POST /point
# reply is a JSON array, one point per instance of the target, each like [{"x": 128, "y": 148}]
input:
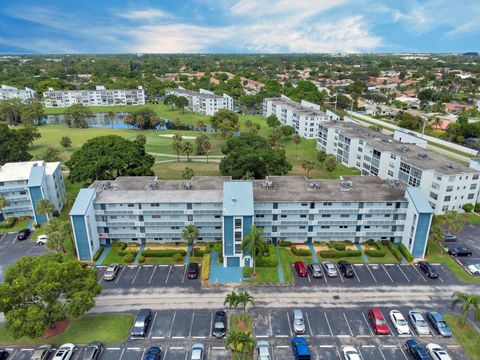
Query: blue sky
[{"x": 238, "y": 26}]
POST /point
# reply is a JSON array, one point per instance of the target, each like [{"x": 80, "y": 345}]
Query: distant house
[
  {"x": 453, "y": 108},
  {"x": 203, "y": 101},
  {"x": 11, "y": 92}
]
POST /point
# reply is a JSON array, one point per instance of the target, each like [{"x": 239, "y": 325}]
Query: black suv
[
  {"x": 219, "y": 324},
  {"x": 428, "y": 269},
  {"x": 142, "y": 321},
  {"x": 3, "y": 354},
  {"x": 346, "y": 269},
  {"x": 23, "y": 234},
  {"x": 459, "y": 251},
  {"x": 193, "y": 270}
]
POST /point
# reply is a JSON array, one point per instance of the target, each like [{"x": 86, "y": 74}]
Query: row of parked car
[{"x": 64, "y": 352}]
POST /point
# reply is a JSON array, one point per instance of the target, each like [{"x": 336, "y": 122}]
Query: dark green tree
[
  {"x": 107, "y": 157},
  {"x": 226, "y": 122},
  {"x": 144, "y": 118},
  {"x": 50, "y": 155},
  {"x": 14, "y": 145},
  {"x": 170, "y": 100},
  {"x": 76, "y": 116},
  {"x": 32, "y": 113},
  {"x": 272, "y": 121},
  {"x": 181, "y": 102},
  {"x": 66, "y": 142}
]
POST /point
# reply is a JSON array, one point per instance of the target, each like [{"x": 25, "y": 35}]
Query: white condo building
[
  {"x": 304, "y": 117},
  {"x": 98, "y": 97},
  {"x": 11, "y": 92},
  {"x": 203, "y": 101},
  {"x": 447, "y": 184}
]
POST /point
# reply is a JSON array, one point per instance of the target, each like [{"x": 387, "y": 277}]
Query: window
[
  {"x": 344, "y": 215},
  {"x": 274, "y": 229},
  {"x": 433, "y": 196},
  {"x": 189, "y": 217},
  {"x": 393, "y": 156},
  {"x": 343, "y": 226},
  {"x": 189, "y": 206},
  {"x": 131, "y": 205},
  {"x": 474, "y": 177},
  {"x": 283, "y": 216},
  {"x": 155, "y": 205},
  {"x": 304, "y": 204},
  {"x": 275, "y": 205},
  {"x": 473, "y": 186},
  {"x": 238, "y": 223},
  {"x": 303, "y": 216},
  {"x": 447, "y": 198},
  {"x": 23, "y": 192},
  {"x": 325, "y": 227},
  {"x": 390, "y": 173},
  {"x": 449, "y": 188},
  {"x": 470, "y": 196},
  {"x": 326, "y": 215},
  {"x": 156, "y": 216},
  {"x": 217, "y": 216}
]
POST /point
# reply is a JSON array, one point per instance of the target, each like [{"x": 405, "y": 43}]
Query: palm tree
[
  {"x": 188, "y": 149},
  {"x": 57, "y": 231},
  {"x": 296, "y": 140},
  {"x": 200, "y": 125},
  {"x": 231, "y": 300},
  {"x": 110, "y": 116},
  {"x": 3, "y": 203},
  {"x": 206, "y": 146},
  {"x": 56, "y": 242},
  {"x": 190, "y": 233},
  {"x": 307, "y": 165},
  {"x": 68, "y": 200},
  {"x": 45, "y": 207},
  {"x": 177, "y": 145},
  {"x": 437, "y": 122},
  {"x": 467, "y": 302},
  {"x": 240, "y": 342},
  {"x": 244, "y": 299},
  {"x": 254, "y": 242}
]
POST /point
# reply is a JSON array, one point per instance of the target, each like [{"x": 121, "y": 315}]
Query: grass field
[
  {"x": 105, "y": 328},
  {"x": 19, "y": 225},
  {"x": 263, "y": 275},
  {"x": 468, "y": 336}
]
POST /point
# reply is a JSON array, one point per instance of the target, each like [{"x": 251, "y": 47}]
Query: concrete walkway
[
  {"x": 365, "y": 257},
  {"x": 187, "y": 257},
  {"x": 139, "y": 253},
  {"x": 223, "y": 275},
  {"x": 281, "y": 276},
  {"x": 103, "y": 256},
  {"x": 314, "y": 254}
]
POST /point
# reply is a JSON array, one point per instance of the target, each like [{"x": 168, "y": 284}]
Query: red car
[
  {"x": 378, "y": 321},
  {"x": 300, "y": 268}
]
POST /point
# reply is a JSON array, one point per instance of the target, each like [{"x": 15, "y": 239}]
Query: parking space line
[
  {"x": 316, "y": 353},
  {"x": 138, "y": 270},
  {"x": 381, "y": 353},
  {"x": 13, "y": 353},
  {"x": 338, "y": 354},
  {"x": 419, "y": 273},
  {"x": 328, "y": 324},
  {"x": 153, "y": 323},
  {"x": 383, "y": 267},
  {"x": 370, "y": 271},
  {"x": 121, "y": 355},
  {"x": 270, "y": 323},
  {"x": 120, "y": 274},
  {"x": 308, "y": 322},
  {"x": 339, "y": 272},
  {"x": 403, "y": 352},
  {"x": 289, "y": 325},
  {"x": 211, "y": 324},
  {"x": 348, "y": 324},
  {"x": 184, "y": 273},
  {"x": 368, "y": 324},
  {"x": 400, "y": 268},
  {"x": 356, "y": 275},
  {"x": 143, "y": 354},
  {"x": 191, "y": 325},
  {"x": 171, "y": 326},
  {"x": 168, "y": 275},
  {"x": 153, "y": 273},
  {"x": 308, "y": 276},
  {"x": 165, "y": 353}
]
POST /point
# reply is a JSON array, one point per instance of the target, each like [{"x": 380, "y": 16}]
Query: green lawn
[
  {"x": 19, "y": 225},
  {"x": 105, "y": 328},
  {"x": 234, "y": 319},
  {"x": 174, "y": 170},
  {"x": 287, "y": 259},
  {"x": 468, "y": 337},
  {"x": 473, "y": 218},
  {"x": 263, "y": 275},
  {"x": 113, "y": 257}
]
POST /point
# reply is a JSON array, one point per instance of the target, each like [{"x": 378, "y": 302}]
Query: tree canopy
[
  {"x": 14, "y": 144},
  {"x": 144, "y": 118},
  {"x": 76, "y": 115},
  {"x": 107, "y": 157},
  {"x": 226, "y": 122}
]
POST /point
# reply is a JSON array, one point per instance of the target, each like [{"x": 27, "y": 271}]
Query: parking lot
[
  {"x": 148, "y": 276},
  {"x": 11, "y": 250},
  {"x": 381, "y": 274},
  {"x": 468, "y": 238}
]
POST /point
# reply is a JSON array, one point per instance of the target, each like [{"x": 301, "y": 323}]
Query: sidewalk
[
  {"x": 223, "y": 275},
  {"x": 281, "y": 276},
  {"x": 365, "y": 257},
  {"x": 314, "y": 254},
  {"x": 103, "y": 256},
  {"x": 142, "y": 247},
  {"x": 187, "y": 257}
]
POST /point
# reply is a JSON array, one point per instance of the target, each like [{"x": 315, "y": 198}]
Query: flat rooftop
[
  {"x": 146, "y": 189},
  {"x": 197, "y": 93},
  {"x": 298, "y": 108},
  {"x": 414, "y": 155},
  {"x": 17, "y": 171}
]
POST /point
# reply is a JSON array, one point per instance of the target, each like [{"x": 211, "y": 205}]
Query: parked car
[
  {"x": 438, "y": 323},
  {"x": 153, "y": 353},
  {"x": 399, "y": 322},
  {"x": 474, "y": 268},
  {"x": 330, "y": 269},
  {"x": 298, "y": 322},
  {"x": 459, "y": 251},
  {"x": 219, "y": 324},
  {"x": 416, "y": 350},
  {"x": 418, "y": 322},
  {"x": 378, "y": 321},
  {"x": 437, "y": 353},
  {"x": 346, "y": 269},
  {"x": 193, "y": 270},
  {"x": 263, "y": 350},
  {"x": 64, "y": 352},
  {"x": 300, "y": 348},
  {"x": 94, "y": 349},
  {"x": 198, "y": 352},
  {"x": 111, "y": 272},
  {"x": 350, "y": 353},
  {"x": 428, "y": 269},
  {"x": 42, "y": 239},
  {"x": 41, "y": 353},
  {"x": 449, "y": 237},
  {"x": 23, "y": 234},
  {"x": 3, "y": 354},
  {"x": 300, "y": 268},
  {"x": 142, "y": 321},
  {"x": 315, "y": 270}
]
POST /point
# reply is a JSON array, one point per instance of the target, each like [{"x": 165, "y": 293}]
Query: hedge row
[
  {"x": 406, "y": 254},
  {"x": 127, "y": 252},
  {"x": 197, "y": 252},
  {"x": 8, "y": 223},
  {"x": 120, "y": 245},
  {"x": 300, "y": 252},
  {"x": 98, "y": 253},
  {"x": 163, "y": 253},
  {"x": 267, "y": 261},
  {"x": 393, "y": 249},
  {"x": 206, "y": 267},
  {"x": 128, "y": 258},
  {"x": 284, "y": 243},
  {"x": 375, "y": 253},
  {"x": 339, "y": 254}
]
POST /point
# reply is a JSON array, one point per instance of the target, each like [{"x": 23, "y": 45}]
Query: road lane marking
[
  {"x": 168, "y": 275},
  {"x": 348, "y": 324},
  {"x": 383, "y": 267},
  {"x": 370, "y": 271},
  {"x": 133, "y": 280},
  {"x": 120, "y": 274},
  {"x": 153, "y": 273},
  {"x": 400, "y": 268}
]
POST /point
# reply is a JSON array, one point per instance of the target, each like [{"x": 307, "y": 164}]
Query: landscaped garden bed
[{"x": 121, "y": 253}]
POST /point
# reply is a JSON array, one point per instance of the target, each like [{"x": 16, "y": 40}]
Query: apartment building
[
  {"x": 24, "y": 184},
  {"x": 144, "y": 209},
  {"x": 447, "y": 184},
  {"x": 304, "y": 117},
  {"x": 11, "y": 92},
  {"x": 203, "y": 101},
  {"x": 98, "y": 97}
]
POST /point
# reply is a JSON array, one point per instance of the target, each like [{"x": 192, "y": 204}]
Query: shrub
[
  {"x": 8, "y": 223},
  {"x": 393, "y": 249},
  {"x": 128, "y": 258},
  {"x": 163, "y": 253},
  {"x": 284, "y": 243},
  {"x": 468, "y": 207},
  {"x": 477, "y": 207},
  {"x": 269, "y": 260},
  {"x": 375, "y": 253},
  {"x": 339, "y": 254},
  {"x": 98, "y": 253},
  {"x": 198, "y": 252},
  {"x": 339, "y": 246},
  {"x": 206, "y": 267},
  {"x": 127, "y": 252},
  {"x": 177, "y": 257},
  {"x": 406, "y": 254},
  {"x": 141, "y": 259},
  {"x": 300, "y": 252},
  {"x": 120, "y": 245}
]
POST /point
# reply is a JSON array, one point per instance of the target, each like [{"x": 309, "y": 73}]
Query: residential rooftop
[
  {"x": 275, "y": 188},
  {"x": 18, "y": 171},
  {"x": 299, "y": 109},
  {"x": 414, "y": 155},
  {"x": 196, "y": 93}
]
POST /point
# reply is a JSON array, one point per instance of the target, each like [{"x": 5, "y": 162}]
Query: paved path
[
  {"x": 365, "y": 257},
  {"x": 314, "y": 254},
  {"x": 139, "y": 253},
  {"x": 103, "y": 256},
  {"x": 281, "y": 276},
  {"x": 187, "y": 257}
]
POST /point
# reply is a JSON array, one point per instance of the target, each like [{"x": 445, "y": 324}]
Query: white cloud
[{"x": 145, "y": 14}]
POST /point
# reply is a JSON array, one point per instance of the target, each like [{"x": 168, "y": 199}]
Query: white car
[
  {"x": 437, "y": 353},
  {"x": 350, "y": 353},
  {"x": 474, "y": 268},
  {"x": 42, "y": 239},
  {"x": 418, "y": 322},
  {"x": 198, "y": 351},
  {"x": 263, "y": 350},
  {"x": 65, "y": 352},
  {"x": 399, "y": 322}
]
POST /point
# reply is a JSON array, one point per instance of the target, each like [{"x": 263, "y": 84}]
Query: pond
[{"x": 101, "y": 120}]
